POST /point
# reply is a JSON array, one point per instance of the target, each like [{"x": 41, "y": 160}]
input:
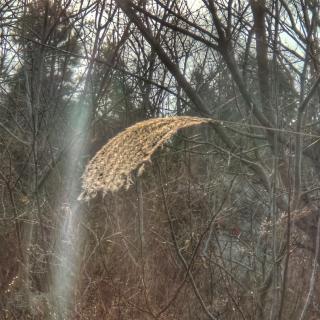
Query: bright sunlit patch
[{"x": 69, "y": 236}]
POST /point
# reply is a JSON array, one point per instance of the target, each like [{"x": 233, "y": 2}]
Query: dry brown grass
[{"x": 113, "y": 166}]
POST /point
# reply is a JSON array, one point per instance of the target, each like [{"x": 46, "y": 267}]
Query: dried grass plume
[{"x": 113, "y": 166}]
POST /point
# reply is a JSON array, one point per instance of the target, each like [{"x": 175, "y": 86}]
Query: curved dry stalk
[{"x": 112, "y": 167}]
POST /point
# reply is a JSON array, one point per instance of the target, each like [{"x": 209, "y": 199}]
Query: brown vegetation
[{"x": 224, "y": 221}]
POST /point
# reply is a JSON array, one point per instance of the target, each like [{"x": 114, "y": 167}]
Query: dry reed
[{"x": 113, "y": 166}]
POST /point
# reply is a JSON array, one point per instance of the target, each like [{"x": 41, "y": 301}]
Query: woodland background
[{"x": 242, "y": 237}]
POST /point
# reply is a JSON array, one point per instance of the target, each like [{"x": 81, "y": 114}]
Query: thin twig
[
  {"x": 313, "y": 275},
  {"x": 182, "y": 259}
]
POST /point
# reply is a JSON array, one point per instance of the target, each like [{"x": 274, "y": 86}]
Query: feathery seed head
[{"x": 112, "y": 167}]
